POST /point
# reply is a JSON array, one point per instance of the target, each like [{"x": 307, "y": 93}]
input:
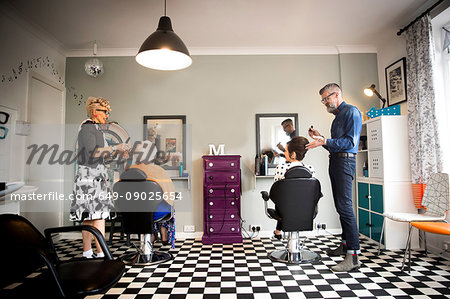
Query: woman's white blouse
[{"x": 283, "y": 167}]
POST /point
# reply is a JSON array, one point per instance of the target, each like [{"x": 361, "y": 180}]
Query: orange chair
[
  {"x": 436, "y": 200},
  {"x": 442, "y": 228}
]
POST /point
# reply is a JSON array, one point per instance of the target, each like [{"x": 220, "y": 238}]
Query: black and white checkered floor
[{"x": 244, "y": 271}]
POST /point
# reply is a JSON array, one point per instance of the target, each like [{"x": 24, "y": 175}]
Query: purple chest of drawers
[{"x": 221, "y": 199}]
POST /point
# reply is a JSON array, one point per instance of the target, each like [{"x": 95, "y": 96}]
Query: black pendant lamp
[{"x": 163, "y": 49}]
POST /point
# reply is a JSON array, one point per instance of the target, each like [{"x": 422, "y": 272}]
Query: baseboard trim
[
  {"x": 184, "y": 236},
  {"x": 313, "y": 233}
]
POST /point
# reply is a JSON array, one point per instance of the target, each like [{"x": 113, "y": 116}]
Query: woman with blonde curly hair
[{"x": 92, "y": 198}]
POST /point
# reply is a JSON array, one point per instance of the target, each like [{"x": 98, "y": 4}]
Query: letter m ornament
[{"x": 219, "y": 151}]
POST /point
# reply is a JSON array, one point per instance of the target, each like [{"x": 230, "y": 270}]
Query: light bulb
[
  {"x": 164, "y": 59},
  {"x": 368, "y": 92}
]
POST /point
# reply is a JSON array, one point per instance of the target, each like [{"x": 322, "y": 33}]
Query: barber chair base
[
  {"x": 302, "y": 257},
  {"x": 136, "y": 258}
]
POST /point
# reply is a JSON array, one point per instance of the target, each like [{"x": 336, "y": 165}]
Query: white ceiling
[{"x": 219, "y": 24}]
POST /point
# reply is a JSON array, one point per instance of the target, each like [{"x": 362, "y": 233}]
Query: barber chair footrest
[
  {"x": 302, "y": 257},
  {"x": 136, "y": 258}
]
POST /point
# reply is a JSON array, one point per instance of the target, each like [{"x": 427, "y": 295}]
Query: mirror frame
[
  {"x": 183, "y": 133},
  {"x": 265, "y": 115}
]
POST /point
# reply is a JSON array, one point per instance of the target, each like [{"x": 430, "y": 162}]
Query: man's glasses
[{"x": 326, "y": 98}]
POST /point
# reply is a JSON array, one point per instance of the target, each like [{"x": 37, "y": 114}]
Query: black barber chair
[
  {"x": 137, "y": 202},
  {"x": 296, "y": 199},
  {"x": 25, "y": 250}
]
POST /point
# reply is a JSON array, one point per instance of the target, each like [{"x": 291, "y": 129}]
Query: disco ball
[{"x": 94, "y": 67}]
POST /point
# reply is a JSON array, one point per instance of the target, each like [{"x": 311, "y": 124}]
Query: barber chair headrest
[
  {"x": 298, "y": 172},
  {"x": 133, "y": 174}
]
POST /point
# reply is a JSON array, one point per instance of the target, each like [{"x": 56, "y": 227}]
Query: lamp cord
[{"x": 165, "y": 4}]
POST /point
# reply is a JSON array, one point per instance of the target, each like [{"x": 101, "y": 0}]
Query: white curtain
[{"x": 424, "y": 141}]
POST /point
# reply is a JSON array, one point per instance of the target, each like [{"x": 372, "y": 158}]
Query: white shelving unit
[{"x": 387, "y": 186}]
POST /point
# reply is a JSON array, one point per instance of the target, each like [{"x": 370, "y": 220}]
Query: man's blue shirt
[{"x": 345, "y": 130}]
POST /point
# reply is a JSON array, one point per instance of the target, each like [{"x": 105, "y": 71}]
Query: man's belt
[{"x": 342, "y": 155}]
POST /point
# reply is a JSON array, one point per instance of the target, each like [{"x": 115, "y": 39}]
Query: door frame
[{"x": 60, "y": 87}]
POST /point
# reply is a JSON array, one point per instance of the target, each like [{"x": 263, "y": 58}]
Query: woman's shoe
[{"x": 275, "y": 236}]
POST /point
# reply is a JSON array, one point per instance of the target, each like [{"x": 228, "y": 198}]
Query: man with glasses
[
  {"x": 342, "y": 146},
  {"x": 288, "y": 128}
]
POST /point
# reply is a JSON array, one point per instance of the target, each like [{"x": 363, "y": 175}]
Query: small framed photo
[
  {"x": 171, "y": 145},
  {"x": 396, "y": 82}
]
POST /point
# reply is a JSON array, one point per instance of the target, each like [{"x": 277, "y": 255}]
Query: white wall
[
  {"x": 390, "y": 48},
  {"x": 20, "y": 43},
  {"x": 220, "y": 96}
]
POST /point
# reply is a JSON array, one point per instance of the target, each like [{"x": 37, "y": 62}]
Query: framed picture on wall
[{"x": 396, "y": 82}]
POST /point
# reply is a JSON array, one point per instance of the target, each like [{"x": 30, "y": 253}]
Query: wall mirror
[
  {"x": 269, "y": 132},
  {"x": 165, "y": 140}
]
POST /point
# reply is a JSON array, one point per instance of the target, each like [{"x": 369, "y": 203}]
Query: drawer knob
[
  {"x": 232, "y": 177},
  {"x": 232, "y": 216},
  {"x": 232, "y": 203},
  {"x": 232, "y": 229},
  {"x": 232, "y": 164},
  {"x": 211, "y": 230},
  {"x": 211, "y": 164},
  {"x": 211, "y": 177},
  {"x": 210, "y": 216},
  {"x": 232, "y": 190},
  {"x": 211, "y": 190},
  {"x": 211, "y": 203}
]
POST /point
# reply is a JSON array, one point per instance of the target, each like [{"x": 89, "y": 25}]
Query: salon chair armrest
[
  {"x": 65, "y": 229},
  {"x": 271, "y": 213}
]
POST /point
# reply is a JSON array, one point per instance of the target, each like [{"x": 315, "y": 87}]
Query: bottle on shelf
[
  {"x": 266, "y": 165},
  {"x": 363, "y": 143},
  {"x": 180, "y": 165},
  {"x": 257, "y": 165},
  {"x": 365, "y": 169}
]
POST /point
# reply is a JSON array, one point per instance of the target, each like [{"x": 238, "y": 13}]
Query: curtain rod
[{"x": 416, "y": 19}]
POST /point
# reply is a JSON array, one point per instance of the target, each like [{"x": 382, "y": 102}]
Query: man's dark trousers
[{"x": 341, "y": 171}]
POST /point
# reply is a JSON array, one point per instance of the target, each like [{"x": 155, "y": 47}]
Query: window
[{"x": 442, "y": 83}]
